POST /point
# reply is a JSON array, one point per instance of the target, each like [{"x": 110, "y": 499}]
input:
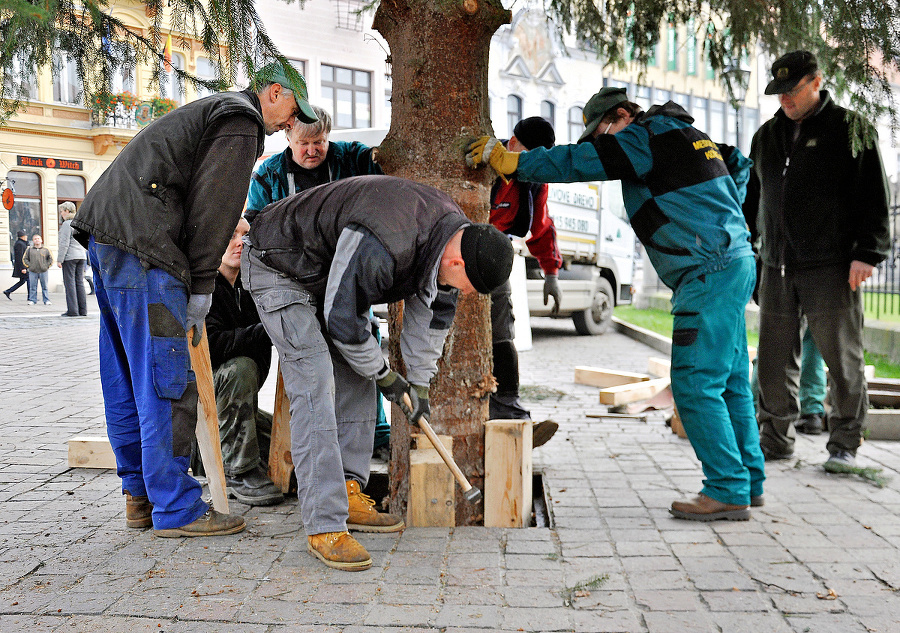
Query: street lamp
[{"x": 736, "y": 81}]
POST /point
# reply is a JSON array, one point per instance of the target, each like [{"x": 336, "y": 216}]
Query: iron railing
[{"x": 881, "y": 292}]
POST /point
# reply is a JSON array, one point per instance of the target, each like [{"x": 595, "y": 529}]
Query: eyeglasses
[{"x": 798, "y": 88}]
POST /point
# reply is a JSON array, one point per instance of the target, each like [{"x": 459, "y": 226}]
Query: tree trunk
[{"x": 439, "y": 55}]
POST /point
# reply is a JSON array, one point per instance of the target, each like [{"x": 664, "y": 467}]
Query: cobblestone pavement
[{"x": 821, "y": 556}]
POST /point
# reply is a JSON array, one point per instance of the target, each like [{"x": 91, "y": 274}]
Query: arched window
[
  {"x": 548, "y": 111},
  {"x": 513, "y": 112},
  {"x": 66, "y": 84},
  {"x": 205, "y": 70},
  {"x": 575, "y": 123},
  {"x": 168, "y": 80}
]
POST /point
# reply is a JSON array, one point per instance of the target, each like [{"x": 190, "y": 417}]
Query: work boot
[
  {"x": 363, "y": 515},
  {"x": 771, "y": 455},
  {"x": 210, "y": 524},
  {"x": 757, "y": 501},
  {"x": 703, "y": 508},
  {"x": 339, "y": 550},
  {"x": 810, "y": 424},
  {"x": 138, "y": 511},
  {"x": 541, "y": 432},
  {"x": 254, "y": 488}
]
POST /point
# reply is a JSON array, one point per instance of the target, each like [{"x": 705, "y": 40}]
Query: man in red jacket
[{"x": 517, "y": 208}]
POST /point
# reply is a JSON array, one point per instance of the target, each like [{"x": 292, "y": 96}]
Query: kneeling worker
[
  {"x": 316, "y": 263},
  {"x": 240, "y": 352}
]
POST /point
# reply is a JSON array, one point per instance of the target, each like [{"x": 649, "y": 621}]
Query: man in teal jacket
[{"x": 683, "y": 195}]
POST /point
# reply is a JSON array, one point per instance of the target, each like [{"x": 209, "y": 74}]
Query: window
[
  {"x": 388, "y": 92},
  {"x": 699, "y": 111},
  {"x": 205, "y": 70},
  {"x": 122, "y": 79},
  {"x": 22, "y": 78},
  {"x": 661, "y": 96},
  {"x": 349, "y": 93},
  {"x": 70, "y": 188},
  {"x": 730, "y": 123},
  {"x": 682, "y": 99},
  {"x": 575, "y": 123},
  {"x": 642, "y": 97},
  {"x": 26, "y": 211},
  {"x": 548, "y": 111},
  {"x": 672, "y": 45},
  {"x": 66, "y": 84},
  {"x": 513, "y": 112},
  {"x": 169, "y": 84},
  {"x": 716, "y": 121}
]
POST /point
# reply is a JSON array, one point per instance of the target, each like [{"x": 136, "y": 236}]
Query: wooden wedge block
[
  {"x": 91, "y": 451},
  {"x": 657, "y": 366},
  {"x": 677, "y": 426},
  {"x": 624, "y": 394},
  {"x": 882, "y": 424},
  {"x": 281, "y": 464},
  {"x": 602, "y": 378},
  {"x": 507, "y": 473},
  {"x": 432, "y": 491},
  {"x": 869, "y": 372}
]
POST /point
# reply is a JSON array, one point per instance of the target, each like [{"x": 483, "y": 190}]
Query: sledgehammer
[{"x": 471, "y": 494}]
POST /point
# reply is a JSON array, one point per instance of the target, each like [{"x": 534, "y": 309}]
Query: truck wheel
[{"x": 596, "y": 319}]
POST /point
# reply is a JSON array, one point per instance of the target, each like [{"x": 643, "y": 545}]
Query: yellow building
[{"x": 55, "y": 149}]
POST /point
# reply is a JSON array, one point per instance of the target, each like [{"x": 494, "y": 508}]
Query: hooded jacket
[
  {"x": 270, "y": 181},
  {"x": 362, "y": 241},
  {"x": 811, "y": 201},
  {"x": 175, "y": 193},
  {"x": 682, "y": 192}
]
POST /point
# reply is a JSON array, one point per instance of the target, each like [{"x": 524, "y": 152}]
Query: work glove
[
  {"x": 487, "y": 149},
  {"x": 551, "y": 289},
  {"x": 197, "y": 308},
  {"x": 419, "y": 397}
]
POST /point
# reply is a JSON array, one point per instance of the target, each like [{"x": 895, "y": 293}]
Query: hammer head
[{"x": 472, "y": 495}]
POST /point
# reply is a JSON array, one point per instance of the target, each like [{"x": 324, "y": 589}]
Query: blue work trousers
[
  {"x": 149, "y": 389},
  {"x": 711, "y": 381}
]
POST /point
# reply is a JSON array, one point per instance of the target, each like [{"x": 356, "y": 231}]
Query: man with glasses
[{"x": 821, "y": 211}]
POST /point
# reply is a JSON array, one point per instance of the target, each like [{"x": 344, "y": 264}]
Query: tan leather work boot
[
  {"x": 138, "y": 511},
  {"x": 703, "y": 508},
  {"x": 363, "y": 515},
  {"x": 210, "y": 524},
  {"x": 339, "y": 550}
]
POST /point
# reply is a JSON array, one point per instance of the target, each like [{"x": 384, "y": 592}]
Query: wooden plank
[
  {"x": 623, "y": 394},
  {"x": 281, "y": 464},
  {"x": 432, "y": 490},
  {"x": 91, "y": 451},
  {"x": 883, "y": 398},
  {"x": 602, "y": 378},
  {"x": 884, "y": 384},
  {"x": 507, "y": 473},
  {"x": 657, "y": 366},
  {"x": 208, "y": 422}
]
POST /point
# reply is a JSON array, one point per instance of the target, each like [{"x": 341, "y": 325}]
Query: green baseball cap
[
  {"x": 274, "y": 73},
  {"x": 597, "y": 106}
]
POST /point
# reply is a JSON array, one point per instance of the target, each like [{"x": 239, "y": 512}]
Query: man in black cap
[
  {"x": 517, "y": 208},
  {"x": 19, "y": 270},
  {"x": 821, "y": 212},
  {"x": 315, "y": 263}
]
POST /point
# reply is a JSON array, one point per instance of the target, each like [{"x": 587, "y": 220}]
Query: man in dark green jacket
[{"x": 821, "y": 211}]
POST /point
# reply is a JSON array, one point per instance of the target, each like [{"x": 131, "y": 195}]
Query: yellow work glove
[{"x": 487, "y": 149}]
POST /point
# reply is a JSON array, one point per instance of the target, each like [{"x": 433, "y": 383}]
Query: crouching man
[{"x": 316, "y": 263}]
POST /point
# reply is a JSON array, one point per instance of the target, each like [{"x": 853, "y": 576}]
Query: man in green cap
[
  {"x": 156, "y": 224},
  {"x": 683, "y": 195}
]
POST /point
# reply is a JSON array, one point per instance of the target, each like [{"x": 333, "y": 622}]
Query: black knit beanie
[
  {"x": 488, "y": 255},
  {"x": 534, "y": 132}
]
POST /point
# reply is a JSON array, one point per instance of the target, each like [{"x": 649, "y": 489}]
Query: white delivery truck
[{"x": 598, "y": 249}]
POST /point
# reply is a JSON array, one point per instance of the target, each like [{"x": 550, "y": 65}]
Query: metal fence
[{"x": 881, "y": 293}]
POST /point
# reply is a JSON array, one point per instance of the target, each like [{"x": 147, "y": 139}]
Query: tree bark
[{"x": 439, "y": 63}]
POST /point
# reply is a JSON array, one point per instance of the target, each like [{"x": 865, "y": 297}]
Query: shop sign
[{"x": 49, "y": 163}]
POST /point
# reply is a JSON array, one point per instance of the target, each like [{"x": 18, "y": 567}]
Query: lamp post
[{"x": 736, "y": 81}]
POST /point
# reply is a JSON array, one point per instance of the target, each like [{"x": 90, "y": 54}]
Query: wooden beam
[
  {"x": 91, "y": 451},
  {"x": 657, "y": 366},
  {"x": 884, "y": 384},
  {"x": 432, "y": 491},
  {"x": 281, "y": 464},
  {"x": 602, "y": 378},
  {"x": 507, "y": 473},
  {"x": 623, "y": 394}
]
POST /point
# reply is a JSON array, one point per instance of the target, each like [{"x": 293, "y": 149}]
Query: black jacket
[
  {"x": 175, "y": 193},
  {"x": 234, "y": 329},
  {"x": 18, "y": 264},
  {"x": 812, "y": 202}
]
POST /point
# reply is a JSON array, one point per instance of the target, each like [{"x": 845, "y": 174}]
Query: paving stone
[{"x": 617, "y": 621}]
